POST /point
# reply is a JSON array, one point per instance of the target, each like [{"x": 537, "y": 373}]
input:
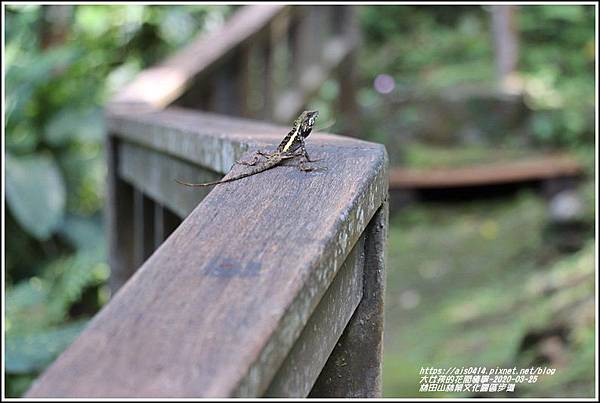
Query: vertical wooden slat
[
  {"x": 119, "y": 220},
  {"x": 245, "y": 79},
  {"x": 159, "y": 225},
  {"x": 279, "y": 62},
  {"x": 348, "y": 74},
  {"x": 267, "y": 70},
  {"x": 307, "y": 41},
  {"x": 298, "y": 45},
  {"x": 354, "y": 367},
  {"x": 171, "y": 221},
  {"x": 143, "y": 220},
  {"x": 165, "y": 222},
  {"x": 226, "y": 86}
]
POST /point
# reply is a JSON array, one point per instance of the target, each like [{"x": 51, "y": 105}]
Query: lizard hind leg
[
  {"x": 306, "y": 159},
  {"x": 251, "y": 162},
  {"x": 302, "y": 166}
]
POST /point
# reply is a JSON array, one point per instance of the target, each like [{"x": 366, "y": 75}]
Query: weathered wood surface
[
  {"x": 534, "y": 169},
  {"x": 154, "y": 172},
  {"x": 161, "y": 85},
  {"x": 298, "y": 373},
  {"x": 216, "y": 309},
  {"x": 353, "y": 369}
]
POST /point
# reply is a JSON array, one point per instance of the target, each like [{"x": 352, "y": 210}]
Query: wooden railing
[
  {"x": 267, "y": 286},
  {"x": 265, "y": 63}
]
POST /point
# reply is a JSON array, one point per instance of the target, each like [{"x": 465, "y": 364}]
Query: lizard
[{"x": 292, "y": 145}]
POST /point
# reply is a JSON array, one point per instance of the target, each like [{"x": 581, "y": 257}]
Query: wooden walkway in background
[{"x": 534, "y": 169}]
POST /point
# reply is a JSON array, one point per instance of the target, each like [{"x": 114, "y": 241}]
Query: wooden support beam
[
  {"x": 143, "y": 224},
  {"x": 355, "y": 365},
  {"x": 160, "y": 85},
  {"x": 219, "y": 306},
  {"x": 302, "y": 366},
  {"x": 119, "y": 220}
]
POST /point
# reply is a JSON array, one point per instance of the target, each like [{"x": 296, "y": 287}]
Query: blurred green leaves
[
  {"x": 33, "y": 352},
  {"x": 75, "y": 125},
  {"x": 558, "y": 70},
  {"x": 429, "y": 49},
  {"x": 35, "y": 193},
  {"x": 56, "y": 266}
]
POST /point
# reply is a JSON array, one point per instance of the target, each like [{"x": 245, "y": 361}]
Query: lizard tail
[
  {"x": 235, "y": 178},
  {"x": 197, "y": 184}
]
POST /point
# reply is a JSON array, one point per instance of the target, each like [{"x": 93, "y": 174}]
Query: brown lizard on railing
[{"x": 291, "y": 146}]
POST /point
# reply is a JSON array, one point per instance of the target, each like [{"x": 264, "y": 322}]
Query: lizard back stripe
[{"x": 292, "y": 139}]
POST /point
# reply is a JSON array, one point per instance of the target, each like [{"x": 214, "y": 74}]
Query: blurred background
[{"x": 487, "y": 114}]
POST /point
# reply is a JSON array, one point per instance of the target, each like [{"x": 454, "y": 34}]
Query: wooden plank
[
  {"x": 206, "y": 139},
  {"x": 267, "y": 87},
  {"x": 155, "y": 173},
  {"x": 354, "y": 368},
  {"x": 143, "y": 224},
  {"x": 533, "y": 169},
  {"x": 160, "y": 85},
  {"x": 119, "y": 220},
  {"x": 302, "y": 366},
  {"x": 217, "y": 308}
]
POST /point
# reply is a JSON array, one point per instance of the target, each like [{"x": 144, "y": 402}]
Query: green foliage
[
  {"x": 427, "y": 156},
  {"x": 467, "y": 282},
  {"x": 34, "y": 351},
  {"x": 428, "y": 49},
  {"x": 35, "y": 193},
  {"x": 558, "y": 68},
  {"x": 56, "y": 263}
]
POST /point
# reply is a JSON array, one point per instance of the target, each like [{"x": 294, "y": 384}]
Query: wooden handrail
[
  {"x": 267, "y": 286},
  {"x": 160, "y": 85},
  {"x": 216, "y": 68},
  {"x": 222, "y": 306}
]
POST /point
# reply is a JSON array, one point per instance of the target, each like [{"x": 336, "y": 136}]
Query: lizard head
[{"x": 307, "y": 121}]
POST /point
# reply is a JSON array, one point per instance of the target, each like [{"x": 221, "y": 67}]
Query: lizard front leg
[
  {"x": 304, "y": 153},
  {"x": 305, "y": 159},
  {"x": 254, "y": 160}
]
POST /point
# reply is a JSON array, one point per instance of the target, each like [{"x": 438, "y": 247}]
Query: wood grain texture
[
  {"x": 209, "y": 140},
  {"x": 216, "y": 309},
  {"x": 154, "y": 173},
  {"x": 355, "y": 366},
  {"x": 302, "y": 366}
]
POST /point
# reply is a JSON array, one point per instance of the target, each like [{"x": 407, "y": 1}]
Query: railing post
[
  {"x": 143, "y": 223},
  {"x": 354, "y": 367},
  {"x": 165, "y": 222},
  {"x": 119, "y": 220}
]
